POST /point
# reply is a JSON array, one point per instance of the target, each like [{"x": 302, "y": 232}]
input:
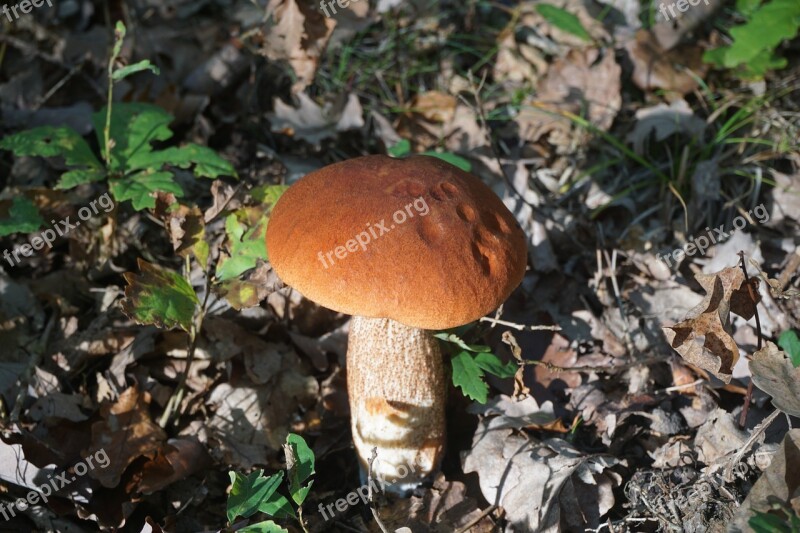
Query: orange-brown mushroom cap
[{"x": 419, "y": 241}]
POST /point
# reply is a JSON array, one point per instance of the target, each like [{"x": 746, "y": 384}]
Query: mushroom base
[{"x": 396, "y": 385}]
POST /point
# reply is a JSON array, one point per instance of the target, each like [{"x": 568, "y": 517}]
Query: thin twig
[
  {"x": 520, "y": 327},
  {"x": 194, "y": 335},
  {"x": 588, "y": 368},
  {"x": 757, "y": 431},
  {"x": 474, "y": 522},
  {"x": 748, "y": 397}
]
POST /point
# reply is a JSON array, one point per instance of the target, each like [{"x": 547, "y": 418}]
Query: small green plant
[
  {"x": 125, "y": 133},
  {"x": 166, "y": 299},
  {"x": 403, "y": 148},
  {"x": 471, "y": 362},
  {"x": 790, "y": 343},
  {"x": 781, "y": 519},
  {"x": 752, "y": 53},
  {"x": 254, "y": 492},
  {"x": 563, "y": 20}
]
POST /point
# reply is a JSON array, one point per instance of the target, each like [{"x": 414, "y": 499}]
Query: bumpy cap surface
[{"x": 416, "y": 240}]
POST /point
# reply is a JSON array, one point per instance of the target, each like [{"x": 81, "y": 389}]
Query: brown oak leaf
[{"x": 703, "y": 338}]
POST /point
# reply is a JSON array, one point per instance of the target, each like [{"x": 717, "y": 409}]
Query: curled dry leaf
[
  {"x": 774, "y": 374},
  {"x": 312, "y": 122},
  {"x": 780, "y": 481},
  {"x": 297, "y": 33},
  {"x": 175, "y": 460},
  {"x": 445, "y": 507},
  {"x": 545, "y": 486},
  {"x": 185, "y": 225},
  {"x": 125, "y": 433},
  {"x": 675, "y": 71},
  {"x": 703, "y": 339},
  {"x": 585, "y": 83}
]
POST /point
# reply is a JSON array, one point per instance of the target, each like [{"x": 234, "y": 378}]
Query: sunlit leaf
[
  {"x": 249, "y": 492},
  {"x": 160, "y": 297}
]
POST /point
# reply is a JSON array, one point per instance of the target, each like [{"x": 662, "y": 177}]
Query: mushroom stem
[{"x": 396, "y": 384}]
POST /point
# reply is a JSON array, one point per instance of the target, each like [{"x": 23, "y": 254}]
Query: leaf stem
[{"x": 194, "y": 334}]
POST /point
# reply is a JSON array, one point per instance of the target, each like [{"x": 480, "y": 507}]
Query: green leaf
[
  {"x": 277, "y": 506},
  {"x": 563, "y": 20},
  {"x": 268, "y": 194},
  {"x": 23, "y": 217},
  {"x": 140, "y": 188},
  {"x": 754, "y": 41},
  {"x": 263, "y": 527},
  {"x": 790, "y": 343},
  {"x": 48, "y": 141},
  {"x": 160, "y": 297},
  {"x": 208, "y": 164},
  {"x": 246, "y": 246},
  {"x": 124, "y": 72},
  {"x": 768, "y": 523},
  {"x": 469, "y": 377},
  {"x": 73, "y": 178},
  {"x": 453, "y": 159},
  {"x": 455, "y": 339},
  {"x": 403, "y": 147},
  {"x": 747, "y": 7},
  {"x": 248, "y": 492},
  {"x": 493, "y": 365},
  {"x": 300, "y": 465},
  {"x": 134, "y": 127}
]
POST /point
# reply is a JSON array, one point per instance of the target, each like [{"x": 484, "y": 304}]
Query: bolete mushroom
[{"x": 405, "y": 246}]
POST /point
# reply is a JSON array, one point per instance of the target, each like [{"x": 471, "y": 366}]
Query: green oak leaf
[
  {"x": 468, "y": 376},
  {"x": 263, "y": 527},
  {"x": 134, "y": 127},
  {"x": 48, "y": 141},
  {"x": 246, "y": 246},
  {"x": 268, "y": 194},
  {"x": 23, "y": 217},
  {"x": 139, "y": 188},
  {"x": 207, "y": 163},
  {"x": 493, "y": 365},
  {"x": 249, "y": 492},
  {"x": 455, "y": 339},
  {"x": 300, "y": 465}
]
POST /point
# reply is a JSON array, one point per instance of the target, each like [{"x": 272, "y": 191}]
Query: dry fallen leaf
[
  {"x": 774, "y": 374},
  {"x": 545, "y": 486},
  {"x": 296, "y": 32},
  {"x": 585, "y": 83},
  {"x": 780, "y": 481},
  {"x": 676, "y": 71},
  {"x": 125, "y": 433},
  {"x": 703, "y": 339},
  {"x": 312, "y": 122}
]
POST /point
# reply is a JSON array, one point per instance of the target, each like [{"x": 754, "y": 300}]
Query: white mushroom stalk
[{"x": 397, "y": 386}]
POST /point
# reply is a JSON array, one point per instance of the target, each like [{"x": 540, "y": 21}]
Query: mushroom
[{"x": 405, "y": 246}]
